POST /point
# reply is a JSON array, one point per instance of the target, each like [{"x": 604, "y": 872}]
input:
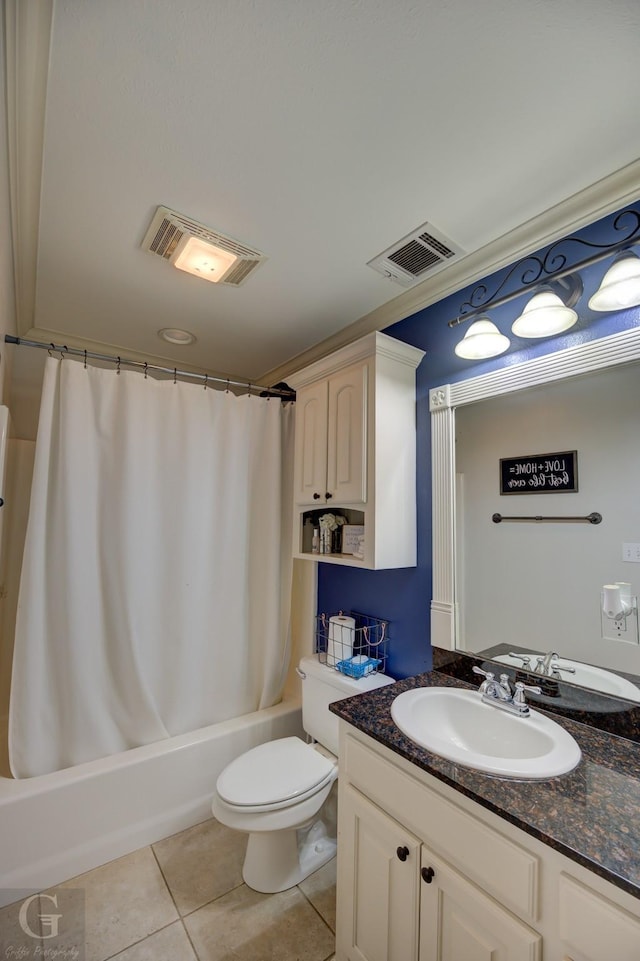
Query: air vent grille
[
  {"x": 423, "y": 251},
  {"x": 168, "y": 228},
  {"x": 414, "y": 258},
  {"x": 166, "y": 239},
  {"x": 437, "y": 245}
]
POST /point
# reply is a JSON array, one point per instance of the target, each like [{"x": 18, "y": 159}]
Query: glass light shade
[
  {"x": 204, "y": 260},
  {"x": 482, "y": 340},
  {"x": 544, "y": 315},
  {"x": 620, "y": 286}
]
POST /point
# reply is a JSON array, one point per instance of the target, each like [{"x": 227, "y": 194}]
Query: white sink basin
[
  {"x": 586, "y": 675},
  {"x": 457, "y": 725}
]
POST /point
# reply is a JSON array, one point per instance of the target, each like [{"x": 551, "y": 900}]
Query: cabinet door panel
[
  {"x": 458, "y": 921},
  {"x": 311, "y": 444},
  {"x": 593, "y": 927},
  {"x": 384, "y": 923},
  {"x": 347, "y": 436}
]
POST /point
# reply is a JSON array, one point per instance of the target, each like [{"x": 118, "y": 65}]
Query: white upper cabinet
[
  {"x": 311, "y": 444},
  {"x": 355, "y": 450},
  {"x": 331, "y": 439}
]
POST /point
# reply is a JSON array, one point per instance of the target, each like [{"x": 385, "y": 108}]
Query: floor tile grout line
[
  {"x": 193, "y": 947},
  {"x": 181, "y": 917},
  {"x": 205, "y": 903},
  {"x": 113, "y": 957},
  {"x": 320, "y": 915},
  {"x": 213, "y": 900},
  {"x": 166, "y": 883}
]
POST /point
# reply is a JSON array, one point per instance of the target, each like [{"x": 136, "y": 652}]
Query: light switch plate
[{"x": 631, "y": 552}]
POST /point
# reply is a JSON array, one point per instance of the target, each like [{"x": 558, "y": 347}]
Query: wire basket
[{"x": 353, "y": 643}]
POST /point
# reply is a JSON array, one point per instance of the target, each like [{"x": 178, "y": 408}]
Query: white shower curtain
[{"x": 155, "y": 590}]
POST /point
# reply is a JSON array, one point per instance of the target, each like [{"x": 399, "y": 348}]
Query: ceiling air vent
[
  {"x": 170, "y": 233},
  {"x": 423, "y": 252}
]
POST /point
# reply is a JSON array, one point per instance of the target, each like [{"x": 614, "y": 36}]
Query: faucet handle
[
  {"x": 556, "y": 669},
  {"x": 526, "y": 660},
  {"x": 489, "y": 678},
  {"x": 519, "y": 698},
  {"x": 478, "y": 670}
]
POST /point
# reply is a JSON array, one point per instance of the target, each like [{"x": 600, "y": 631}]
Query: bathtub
[{"x": 58, "y": 825}]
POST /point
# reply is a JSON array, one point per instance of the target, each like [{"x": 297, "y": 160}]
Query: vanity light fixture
[
  {"x": 553, "y": 279},
  {"x": 550, "y": 311},
  {"x": 482, "y": 340},
  {"x": 544, "y": 315},
  {"x": 620, "y": 286}
]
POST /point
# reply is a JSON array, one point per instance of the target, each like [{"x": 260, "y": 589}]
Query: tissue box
[{"x": 358, "y": 666}]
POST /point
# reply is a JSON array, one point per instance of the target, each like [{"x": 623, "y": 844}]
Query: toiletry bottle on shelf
[{"x": 315, "y": 542}]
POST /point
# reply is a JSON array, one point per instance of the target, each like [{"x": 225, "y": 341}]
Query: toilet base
[{"x": 277, "y": 860}]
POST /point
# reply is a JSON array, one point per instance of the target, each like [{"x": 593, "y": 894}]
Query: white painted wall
[{"x": 539, "y": 584}]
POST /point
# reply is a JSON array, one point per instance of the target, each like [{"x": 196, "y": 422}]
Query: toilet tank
[{"x": 320, "y": 686}]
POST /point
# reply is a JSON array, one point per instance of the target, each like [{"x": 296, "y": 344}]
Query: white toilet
[{"x": 275, "y": 791}]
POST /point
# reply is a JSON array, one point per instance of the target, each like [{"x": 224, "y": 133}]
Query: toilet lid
[{"x": 274, "y": 772}]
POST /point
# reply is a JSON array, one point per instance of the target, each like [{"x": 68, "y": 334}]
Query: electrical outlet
[
  {"x": 626, "y": 629},
  {"x": 631, "y": 552}
]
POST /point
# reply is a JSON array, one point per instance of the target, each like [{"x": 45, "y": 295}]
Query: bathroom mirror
[{"x": 530, "y": 587}]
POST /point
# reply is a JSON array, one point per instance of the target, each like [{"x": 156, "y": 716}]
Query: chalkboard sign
[{"x": 540, "y": 473}]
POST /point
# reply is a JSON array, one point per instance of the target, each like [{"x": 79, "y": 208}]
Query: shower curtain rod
[{"x": 281, "y": 390}]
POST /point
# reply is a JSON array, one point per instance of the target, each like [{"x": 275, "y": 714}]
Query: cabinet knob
[
  {"x": 402, "y": 852},
  {"x": 328, "y": 496},
  {"x": 316, "y": 496},
  {"x": 428, "y": 875}
]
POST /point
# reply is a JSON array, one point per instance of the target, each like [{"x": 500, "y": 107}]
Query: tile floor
[{"x": 183, "y": 899}]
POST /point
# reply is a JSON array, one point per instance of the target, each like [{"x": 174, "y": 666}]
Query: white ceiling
[{"x": 319, "y": 133}]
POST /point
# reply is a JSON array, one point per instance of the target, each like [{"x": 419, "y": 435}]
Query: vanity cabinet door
[
  {"x": 458, "y": 921},
  {"x": 378, "y": 866},
  {"x": 592, "y": 928}
]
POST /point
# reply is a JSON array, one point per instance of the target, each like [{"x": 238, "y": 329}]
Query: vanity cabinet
[
  {"x": 426, "y": 874},
  {"x": 410, "y": 905},
  {"x": 355, "y": 439}
]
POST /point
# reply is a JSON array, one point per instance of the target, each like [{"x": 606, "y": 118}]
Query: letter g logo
[{"x": 48, "y": 922}]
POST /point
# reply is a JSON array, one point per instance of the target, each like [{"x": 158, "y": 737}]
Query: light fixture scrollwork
[{"x": 557, "y": 286}]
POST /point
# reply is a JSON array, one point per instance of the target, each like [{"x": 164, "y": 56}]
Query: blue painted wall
[{"x": 403, "y": 596}]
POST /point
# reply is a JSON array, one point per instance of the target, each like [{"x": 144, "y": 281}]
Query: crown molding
[{"x": 581, "y": 209}]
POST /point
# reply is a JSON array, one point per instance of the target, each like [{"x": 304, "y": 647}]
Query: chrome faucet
[
  {"x": 499, "y": 694},
  {"x": 547, "y": 668},
  {"x": 543, "y": 664}
]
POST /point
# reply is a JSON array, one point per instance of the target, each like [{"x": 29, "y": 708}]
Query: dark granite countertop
[{"x": 590, "y": 815}]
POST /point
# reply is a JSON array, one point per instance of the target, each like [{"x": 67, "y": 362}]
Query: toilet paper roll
[{"x": 342, "y": 631}]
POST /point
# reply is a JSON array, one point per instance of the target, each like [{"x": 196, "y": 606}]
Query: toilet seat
[{"x": 275, "y": 775}]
